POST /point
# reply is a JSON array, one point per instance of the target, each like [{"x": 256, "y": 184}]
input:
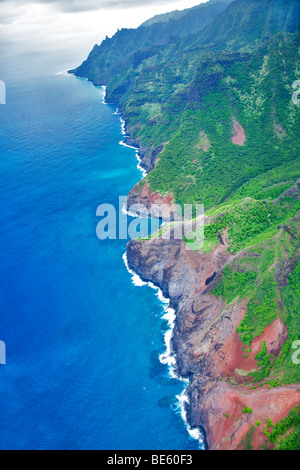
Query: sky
[{"x": 70, "y": 28}]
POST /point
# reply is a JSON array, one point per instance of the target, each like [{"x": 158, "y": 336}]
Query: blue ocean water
[{"x": 83, "y": 342}]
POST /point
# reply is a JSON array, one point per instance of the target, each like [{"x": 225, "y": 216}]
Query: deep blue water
[{"x": 82, "y": 341}]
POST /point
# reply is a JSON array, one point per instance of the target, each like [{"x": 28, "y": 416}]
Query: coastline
[
  {"x": 123, "y": 129},
  {"x": 168, "y": 358},
  {"x": 202, "y": 341},
  {"x": 207, "y": 346},
  {"x": 123, "y": 143}
]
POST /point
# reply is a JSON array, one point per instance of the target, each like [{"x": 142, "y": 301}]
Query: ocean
[{"x": 83, "y": 342}]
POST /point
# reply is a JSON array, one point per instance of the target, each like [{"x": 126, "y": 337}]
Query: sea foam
[
  {"x": 122, "y": 142},
  {"x": 168, "y": 357}
]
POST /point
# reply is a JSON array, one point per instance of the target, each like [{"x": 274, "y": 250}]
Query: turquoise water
[{"x": 83, "y": 342}]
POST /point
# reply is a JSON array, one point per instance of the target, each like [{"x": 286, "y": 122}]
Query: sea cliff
[
  {"x": 212, "y": 116},
  {"x": 207, "y": 346}
]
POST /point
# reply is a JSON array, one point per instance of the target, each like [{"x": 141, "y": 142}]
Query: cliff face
[
  {"x": 141, "y": 194},
  {"x": 132, "y": 46},
  {"x": 184, "y": 98},
  {"x": 212, "y": 401},
  {"x": 208, "y": 348},
  {"x": 212, "y": 117}
]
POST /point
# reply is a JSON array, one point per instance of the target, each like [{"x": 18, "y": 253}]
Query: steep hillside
[
  {"x": 228, "y": 93},
  {"x": 163, "y": 89},
  {"x": 104, "y": 60},
  {"x": 237, "y": 304},
  {"x": 248, "y": 23},
  {"x": 196, "y": 16},
  {"x": 213, "y": 117}
]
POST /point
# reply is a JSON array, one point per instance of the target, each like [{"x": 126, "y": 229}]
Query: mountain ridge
[
  {"x": 127, "y": 41},
  {"x": 174, "y": 15}
]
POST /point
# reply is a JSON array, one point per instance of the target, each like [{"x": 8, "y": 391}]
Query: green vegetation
[
  {"x": 286, "y": 432},
  {"x": 246, "y": 441},
  {"x": 273, "y": 233},
  {"x": 264, "y": 363},
  {"x": 195, "y": 173},
  {"x": 182, "y": 82},
  {"x": 235, "y": 283},
  {"x": 291, "y": 299},
  {"x": 180, "y": 94},
  {"x": 251, "y": 222},
  {"x": 254, "y": 276},
  {"x": 262, "y": 310},
  {"x": 247, "y": 409}
]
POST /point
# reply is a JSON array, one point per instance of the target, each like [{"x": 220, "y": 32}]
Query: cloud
[
  {"x": 88, "y": 5},
  {"x": 70, "y": 28}
]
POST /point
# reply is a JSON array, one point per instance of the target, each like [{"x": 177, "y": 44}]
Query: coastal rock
[
  {"x": 142, "y": 194},
  {"x": 207, "y": 346},
  {"x": 218, "y": 407},
  {"x": 147, "y": 156}
]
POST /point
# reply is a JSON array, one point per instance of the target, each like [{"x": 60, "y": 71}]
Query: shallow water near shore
[{"x": 83, "y": 343}]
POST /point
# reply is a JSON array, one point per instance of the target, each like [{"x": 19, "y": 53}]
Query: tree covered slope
[
  {"x": 104, "y": 61},
  {"x": 207, "y": 97},
  {"x": 190, "y": 100}
]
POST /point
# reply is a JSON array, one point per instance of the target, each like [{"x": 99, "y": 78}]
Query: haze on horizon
[{"x": 66, "y": 30}]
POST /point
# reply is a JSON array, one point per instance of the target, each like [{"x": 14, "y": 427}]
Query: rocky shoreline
[
  {"x": 205, "y": 341},
  {"x": 207, "y": 345},
  {"x": 232, "y": 139}
]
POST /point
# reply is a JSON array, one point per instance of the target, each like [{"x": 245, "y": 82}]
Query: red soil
[
  {"x": 239, "y": 138},
  {"x": 156, "y": 198},
  {"x": 265, "y": 403},
  {"x": 280, "y": 132},
  {"x": 274, "y": 335},
  {"x": 221, "y": 398},
  {"x": 234, "y": 359}
]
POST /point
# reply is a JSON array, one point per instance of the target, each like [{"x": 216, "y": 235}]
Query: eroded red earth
[{"x": 239, "y": 138}]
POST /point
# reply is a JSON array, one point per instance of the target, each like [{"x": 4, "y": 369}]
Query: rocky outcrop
[
  {"x": 162, "y": 206},
  {"x": 293, "y": 192},
  {"x": 207, "y": 346},
  {"x": 218, "y": 407},
  {"x": 147, "y": 156}
]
